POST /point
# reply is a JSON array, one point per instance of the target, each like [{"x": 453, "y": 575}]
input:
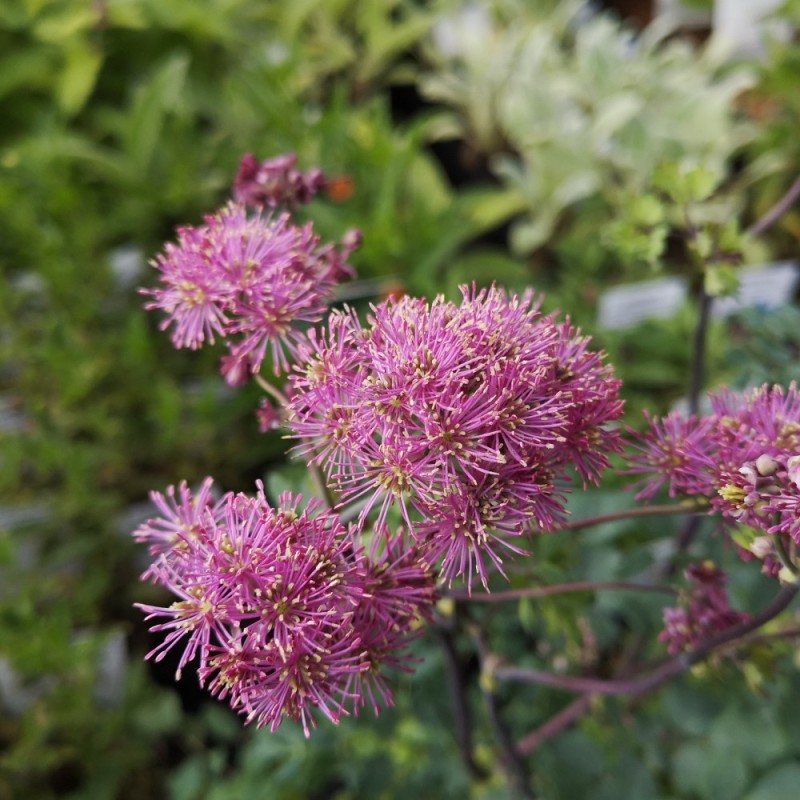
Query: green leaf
[
  {"x": 700, "y": 184},
  {"x": 647, "y": 210},
  {"x": 65, "y": 22},
  {"x": 154, "y": 100},
  {"x": 78, "y": 79},
  {"x": 489, "y": 208},
  {"x": 780, "y": 783},
  {"x": 721, "y": 280}
]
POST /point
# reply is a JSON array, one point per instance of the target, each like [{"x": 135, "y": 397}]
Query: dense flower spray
[
  {"x": 250, "y": 278},
  {"x": 281, "y": 608},
  {"x": 467, "y": 417},
  {"x": 443, "y": 432},
  {"x": 744, "y": 458}
]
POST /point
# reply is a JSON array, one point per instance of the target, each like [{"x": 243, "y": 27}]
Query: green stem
[{"x": 784, "y": 557}]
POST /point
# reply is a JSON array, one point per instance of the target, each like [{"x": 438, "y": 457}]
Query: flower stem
[
  {"x": 777, "y": 211},
  {"x": 784, "y": 557},
  {"x": 558, "y": 722},
  {"x": 456, "y": 680},
  {"x": 271, "y": 390},
  {"x": 652, "y": 679},
  {"x": 629, "y": 513},
  {"x": 699, "y": 347},
  {"x": 510, "y": 757},
  {"x": 562, "y": 588}
]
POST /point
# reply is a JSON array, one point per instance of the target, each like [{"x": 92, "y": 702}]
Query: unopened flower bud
[
  {"x": 352, "y": 239},
  {"x": 793, "y": 470},
  {"x": 766, "y": 465},
  {"x": 762, "y": 546}
]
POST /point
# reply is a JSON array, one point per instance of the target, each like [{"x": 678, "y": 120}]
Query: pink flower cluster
[
  {"x": 275, "y": 183},
  {"x": 470, "y": 420},
  {"x": 280, "y": 606},
  {"x": 467, "y": 417},
  {"x": 248, "y": 279},
  {"x": 744, "y": 457},
  {"x": 704, "y": 610}
]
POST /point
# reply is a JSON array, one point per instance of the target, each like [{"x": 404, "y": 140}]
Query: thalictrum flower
[
  {"x": 467, "y": 417},
  {"x": 280, "y": 606},
  {"x": 249, "y": 279},
  {"x": 275, "y": 182},
  {"x": 742, "y": 458}
]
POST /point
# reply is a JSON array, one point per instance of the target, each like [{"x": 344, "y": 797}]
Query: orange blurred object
[{"x": 340, "y": 188}]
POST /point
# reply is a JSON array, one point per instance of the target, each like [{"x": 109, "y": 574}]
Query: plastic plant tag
[
  {"x": 626, "y": 306},
  {"x": 765, "y": 286}
]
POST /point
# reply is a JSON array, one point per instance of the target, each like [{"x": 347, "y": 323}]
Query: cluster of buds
[
  {"x": 275, "y": 183},
  {"x": 704, "y": 609}
]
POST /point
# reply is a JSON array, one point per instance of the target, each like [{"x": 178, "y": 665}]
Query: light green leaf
[
  {"x": 615, "y": 113},
  {"x": 153, "y": 102},
  {"x": 780, "y": 783},
  {"x": 65, "y": 21},
  {"x": 78, "y": 79},
  {"x": 721, "y": 280},
  {"x": 488, "y": 208}
]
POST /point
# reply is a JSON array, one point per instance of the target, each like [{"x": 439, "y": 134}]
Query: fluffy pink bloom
[
  {"x": 248, "y": 279},
  {"x": 467, "y": 417},
  {"x": 281, "y": 608},
  {"x": 674, "y": 452},
  {"x": 743, "y": 458},
  {"x": 184, "y": 515}
]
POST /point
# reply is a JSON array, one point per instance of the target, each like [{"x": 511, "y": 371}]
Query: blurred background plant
[{"x": 508, "y": 141}]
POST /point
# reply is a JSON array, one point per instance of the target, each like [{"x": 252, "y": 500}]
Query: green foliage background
[{"x": 124, "y": 118}]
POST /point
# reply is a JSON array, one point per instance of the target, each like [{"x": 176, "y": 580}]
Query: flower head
[
  {"x": 275, "y": 182},
  {"x": 466, "y": 417},
  {"x": 743, "y": 458},
  {"x": 248, "y": 279},
  {"x": 280, "y": 606}
]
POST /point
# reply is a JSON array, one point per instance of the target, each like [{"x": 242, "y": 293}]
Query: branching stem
[
  {"x": 777, "y": 211},
  {"x": 652, "y": 679}
]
